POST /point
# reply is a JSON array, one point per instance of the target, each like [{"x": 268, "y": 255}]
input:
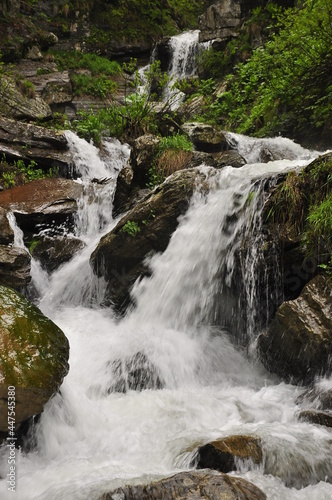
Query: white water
[{"x": 90, "y": 440}]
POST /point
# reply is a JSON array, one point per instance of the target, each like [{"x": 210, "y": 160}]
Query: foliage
[
  {"x": 78, "y": 60},
  {"x": 134, "y": 116},
  {"x": 131, "y": 228},
  {"x": 136, "y": 20},
  {"x": 20, "y": 172},
  {"x": 285, "y": 86},
  {"x": 319, "y": 225},
  {"x": 90, "y": 73},
  {"x": 302, "y": 205}
]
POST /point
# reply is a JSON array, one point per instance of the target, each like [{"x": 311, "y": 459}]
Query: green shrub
[
  {"x": 131, "y": 228},
  {"x": 286, "y": 85}
]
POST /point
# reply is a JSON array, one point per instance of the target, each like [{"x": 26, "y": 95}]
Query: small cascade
[{"x": 185, "y": 49}]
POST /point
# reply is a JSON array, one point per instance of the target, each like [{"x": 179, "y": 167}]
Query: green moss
[{"x": 34, "y": 351}]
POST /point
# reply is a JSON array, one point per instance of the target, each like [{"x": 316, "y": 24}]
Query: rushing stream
[{"x": 89, "y": 439}]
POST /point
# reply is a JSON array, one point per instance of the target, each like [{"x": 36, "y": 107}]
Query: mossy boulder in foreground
[{"x": 34, "y": 356}]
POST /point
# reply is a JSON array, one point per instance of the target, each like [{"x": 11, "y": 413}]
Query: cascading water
[
  {"x": 185, "y": 50},
  {"x": 89, "y": 439}
]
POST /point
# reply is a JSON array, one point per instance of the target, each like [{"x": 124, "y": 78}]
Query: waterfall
[
  {"x": 92, "y": 439},
  {"x": 185, "y": 50}
]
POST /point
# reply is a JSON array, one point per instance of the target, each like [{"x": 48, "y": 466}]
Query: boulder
[
  {"x": 15, "y": 105},
  {"x": 52, "y": 252},
  {"x": 49, "y": 148},
  {"x": 190, "y": 485},
  {"x": 44, "y": 201},
  {"x": 205, "y": 137},
  {"x": 145, "y": 229},
  {"x": 297, "y": 345},
  {"x": 6, "y": 232},
  {"x": 15, "y": 265},
  {"x": 33, "y": 357},
  {"x": 225, "y": 454},
  {"x": 221, "y": 21},
  {"x": 135, "y": 373},
  {"x": 229, "y": 158}
]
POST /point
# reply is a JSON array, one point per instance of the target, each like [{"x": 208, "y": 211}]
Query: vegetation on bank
[
  {"x": 19, "y": 172},
  {"x": 285, "y": 85},
  {"x": 308, "y": 198}
]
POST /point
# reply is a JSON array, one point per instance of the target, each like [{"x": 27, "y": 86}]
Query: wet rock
[
  {"x": 229, "y": 158},
  {"x": 15, "y": 265},
  {"x": 6, "y": 232},
  {"x": 225, "y": 454},
  {"x": 136, "y": 373},
  {"x": 217, "y": 160},
  {"x": 298, "y": 343},
  {"x": 190, "y": 486},
  {"x": 52, "y": 252},
  {"x": 205, "y": 137},
  {"x": 33, "y": 357},
  {"x": 145, "y": 229},
  {"x": 44, "y": 201},
  {"x": 221, "y": 21},
  {"x": 26, "y": 141},
  {"x": 316, "y": 417}
]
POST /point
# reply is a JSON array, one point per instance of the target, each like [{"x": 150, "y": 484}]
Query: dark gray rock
[{"x": 205, "y": 137}]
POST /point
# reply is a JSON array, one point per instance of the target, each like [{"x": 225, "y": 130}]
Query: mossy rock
[{"x": 34, "y": 356}]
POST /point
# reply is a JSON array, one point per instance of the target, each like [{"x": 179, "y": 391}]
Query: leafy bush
[
  {"x": 77, "y": 60},
  {"x": 285, "y": 86},
  {"x": 131, "y": 228},
  {"x": 19, "y": 173}
]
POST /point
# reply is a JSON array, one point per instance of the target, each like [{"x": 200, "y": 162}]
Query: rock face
[
  {"x": 298, "y": 343},
  {"x": 15, "y": 105},
  {"x": 33, "y": 357},
  {"x": 146, "y": 229},
  {"x": 43, "y": 201},
  {"x": 221, "y": 21},
  {"x": 25, "y": 141},
  {"x": 190, "y": 486},
  {"x": 224, "y": 454},
  {"x": 205, "y": 137},
  {"x": 15, "y": 264}
]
